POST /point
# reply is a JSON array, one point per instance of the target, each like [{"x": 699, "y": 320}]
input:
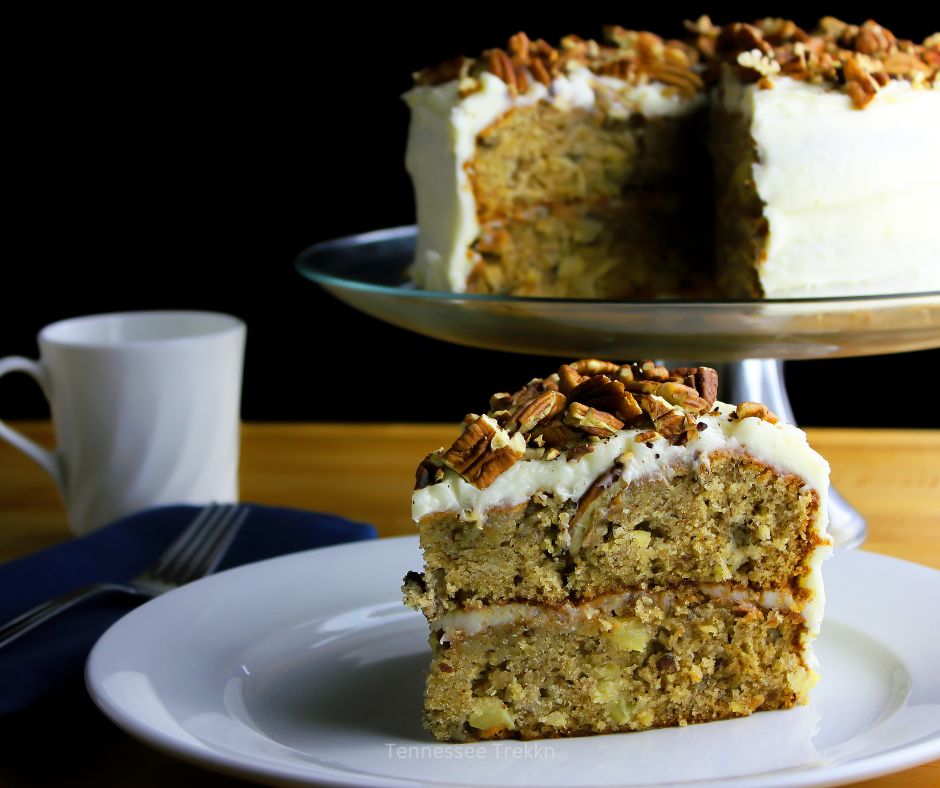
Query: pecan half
[
  {"x": 499, "y": 64},
  {"x": 681, "y": 77},
  {"x": 544, "y": 406},
  {"x": 642, "y": 386},
  {"x": 555, "y": 435},
  {"x": 873, "y": 39},
  {"x": 594, "y": 366},
  {"x": 427, "y": 473},
  {"x": 592, "y": 421},
  {"x": 655, "y": 406},
  {"x": 756, "y": 409},
  {"x": 740, "y": 37},
  {"x": 676, "y": 426},
  {"x": 901, "y": 64},
  {"x": 705, "y": 380},
  {"x": 581, "y": 525},
  {"x": 483, "y": 451},
  {"x": 608, "y": 395},
  {"x": 860, "y": 84},
  {"x": 568, "y": 378},
  {"x": 472, "y": 443},
  {"x": 682, "y": 395},
  {"x": 494, "y": 463},
  {"x": 652, "y": 371}
]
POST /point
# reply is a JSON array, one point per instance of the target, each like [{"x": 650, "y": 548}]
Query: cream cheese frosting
[
  {"x": 474, "y": 621},
  {"x": 780, "y": 445},
  {"x": 442, "y": 138},
  {"x": 850, "y": 195}
]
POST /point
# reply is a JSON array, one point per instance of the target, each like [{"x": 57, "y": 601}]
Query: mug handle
[{"x": 47, "y": 459}]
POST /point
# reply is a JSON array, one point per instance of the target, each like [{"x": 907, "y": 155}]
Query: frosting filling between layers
[{"x": 472, "y": 622}]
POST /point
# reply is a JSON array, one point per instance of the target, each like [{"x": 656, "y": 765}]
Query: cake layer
[
  {"x": 632, "y": 247},
  {"x": 631, "y": 663},
  {"x": 728, "y": 517},
  {"x": 543, "y": 155}
]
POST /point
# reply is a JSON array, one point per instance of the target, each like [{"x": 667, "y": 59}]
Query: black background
[{"x": 161, "y": 159}]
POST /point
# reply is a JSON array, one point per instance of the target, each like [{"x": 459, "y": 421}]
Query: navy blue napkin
[{"x": 53, "y": 655}]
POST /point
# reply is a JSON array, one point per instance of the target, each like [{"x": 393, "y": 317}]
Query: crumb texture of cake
[
  {"x": 736, "y": 520},
  {"x": 748, "y": 160},
  {"x": 628, "y": 665},
  {"x": 610, "y": 498}
]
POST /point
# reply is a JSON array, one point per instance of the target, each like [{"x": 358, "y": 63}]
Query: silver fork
[{"x": 196, "y": 552}]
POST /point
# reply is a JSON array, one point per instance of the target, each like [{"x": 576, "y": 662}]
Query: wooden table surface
[{"x": 891, "y": 476}]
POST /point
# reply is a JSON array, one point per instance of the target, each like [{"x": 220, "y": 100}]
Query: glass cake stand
[{"x": 747, "y": 340}]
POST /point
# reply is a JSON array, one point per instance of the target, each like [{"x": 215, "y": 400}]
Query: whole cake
[
  {"x": 749, "y": 160},
  {"x": 610, "y": 549}
]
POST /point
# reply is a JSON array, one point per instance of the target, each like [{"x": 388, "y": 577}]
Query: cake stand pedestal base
[{"x": 761, "y": 380}]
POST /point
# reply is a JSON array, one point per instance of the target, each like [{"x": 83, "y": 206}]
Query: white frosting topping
[
  {"x": 851, "y": 195},
  {"x": 442, "y": 139},
  {"x": 781, "y": 446}
]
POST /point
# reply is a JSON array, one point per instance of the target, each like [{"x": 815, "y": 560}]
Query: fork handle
[{"x": 25, "y": 622}]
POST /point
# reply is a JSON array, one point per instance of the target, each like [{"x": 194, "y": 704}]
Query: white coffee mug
[{"x": 145, "y": 407}]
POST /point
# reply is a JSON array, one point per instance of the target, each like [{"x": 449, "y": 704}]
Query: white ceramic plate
[{"x": 308, "y": 669}]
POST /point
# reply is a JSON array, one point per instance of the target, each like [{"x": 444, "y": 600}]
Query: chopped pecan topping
[
  {"x": 860, "y": 59},
  {"x": 755, "y": 52},
  {"x": 585, "y": 403},
  {"x": 633, "y": 56}
]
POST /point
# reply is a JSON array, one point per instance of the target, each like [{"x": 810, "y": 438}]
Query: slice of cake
[
  {"x": 610, "y": 549},
  {"x": 583, "y": 170},
  {"x": 569, "y": 171}
]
